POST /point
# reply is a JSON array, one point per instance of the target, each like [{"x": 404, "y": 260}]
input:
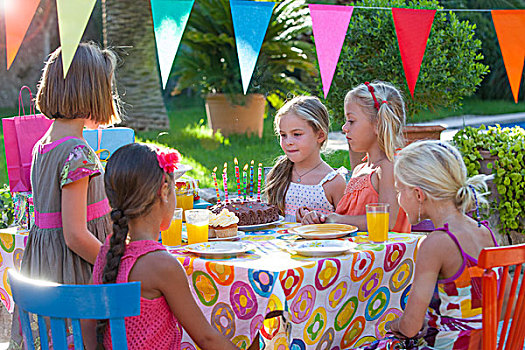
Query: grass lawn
[{"x": 203, "y": 150}]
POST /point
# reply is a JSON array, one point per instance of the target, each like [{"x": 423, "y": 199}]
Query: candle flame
[
  {"x": 215, "y": 169},
  {"x": 225, "y": 165},
  {"x": 251, "y": 162},
  {"x": 260, "y": 164},
  {"x": 235, "y": 161},
  {"x": 245, "y": 167}
]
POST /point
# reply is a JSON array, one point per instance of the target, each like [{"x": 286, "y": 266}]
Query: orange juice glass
[
  {"x": 377, "y": 221},
  {"x": 197, "y": 221},
  {"x": 172, "y": 236},
  {"x": 184, "y": 200}
]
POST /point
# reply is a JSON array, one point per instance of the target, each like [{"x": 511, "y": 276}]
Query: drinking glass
[
  {"x": 172, "y": 236},
  {"x": 377, "y": 221},
  {"x": 197, "y": 221},
  {"x": 184, "y": 199}
]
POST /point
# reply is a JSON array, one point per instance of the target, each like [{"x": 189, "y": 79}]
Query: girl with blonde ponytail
[
  {"x": 300, "y": 180},
  {"x": 375, "y": 116},
  {"x": 444, "y": 305}
]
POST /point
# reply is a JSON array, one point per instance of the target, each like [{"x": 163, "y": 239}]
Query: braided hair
[{"x": 132, "y": 181}]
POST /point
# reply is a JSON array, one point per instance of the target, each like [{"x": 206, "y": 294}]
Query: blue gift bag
[{"x": 107, "y": 141}]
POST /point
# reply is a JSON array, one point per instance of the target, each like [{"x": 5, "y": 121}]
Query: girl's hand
[
  {"x": 300, "y": 213},
  {"x": 393, "y": 327},
  {"x": 313, "y": 218}
]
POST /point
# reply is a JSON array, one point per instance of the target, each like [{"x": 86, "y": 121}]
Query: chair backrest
[
  {"x": 59, "y": 302},
  {"x": 495, "y": 301}
]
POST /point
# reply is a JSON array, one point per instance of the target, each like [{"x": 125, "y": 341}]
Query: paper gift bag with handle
[
  {"x": 20, "y": 135},
  {"x": 107, "y": 141}
]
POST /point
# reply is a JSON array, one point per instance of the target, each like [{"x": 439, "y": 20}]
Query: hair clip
[
  {"x": 377, "y": 105},
  {"x": 477, "y": 206},
  {"x": 168, "y": 159},
  {"x": 448, "y": 149}
]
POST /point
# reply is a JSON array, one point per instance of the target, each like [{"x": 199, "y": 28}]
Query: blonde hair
[
  {"x": 312, "y": 111},
  {"x": 388, "y": 113},
  {"x": 438, "y": 169},
  {"x": 87, "y": 91}
]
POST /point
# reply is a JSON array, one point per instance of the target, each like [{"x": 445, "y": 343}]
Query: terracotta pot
[
  {"x": 230, "y": 118},
  {"x": 422, "y": 132}
]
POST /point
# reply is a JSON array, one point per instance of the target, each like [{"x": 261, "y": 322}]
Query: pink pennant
[
  {"x": 412, "y": 29},
  {"x": 329, "y": 25},
  {"x": 18, "y": 16}
]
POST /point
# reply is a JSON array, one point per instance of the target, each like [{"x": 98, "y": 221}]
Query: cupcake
[{"x": 224, "y": 224}]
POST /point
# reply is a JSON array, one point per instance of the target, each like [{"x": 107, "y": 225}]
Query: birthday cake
[{"x": 249, "y": 212}]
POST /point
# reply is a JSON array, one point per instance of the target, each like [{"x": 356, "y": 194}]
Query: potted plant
[
  {"x": 208, "y": 61},
  {"x": 451, "y": 68},
  {"x": 501, "y": 152}
]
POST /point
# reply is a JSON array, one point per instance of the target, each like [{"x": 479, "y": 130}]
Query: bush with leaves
[
  {"x": 508, "y": 147},
  {"x": 208, "y": 57},
  {"x": 6, "y": 207},
  {"x": 451, "y": 68}
]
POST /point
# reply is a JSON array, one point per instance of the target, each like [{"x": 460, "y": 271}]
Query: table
[
  {"x": 331, "y": 303},
  {"x": 12, "y": 244}
]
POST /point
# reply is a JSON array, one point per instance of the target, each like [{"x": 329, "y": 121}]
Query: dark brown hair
[
  {"x": 133, "y": 178},
  {"x": 87, "y": 91}
]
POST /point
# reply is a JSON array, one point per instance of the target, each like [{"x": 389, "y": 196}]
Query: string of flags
[{"x": 329, "y": 26}]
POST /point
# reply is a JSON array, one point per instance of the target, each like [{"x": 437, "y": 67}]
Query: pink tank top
[
  {"x": 358, "y": 193},
  {"x": 156, "y": 327}
]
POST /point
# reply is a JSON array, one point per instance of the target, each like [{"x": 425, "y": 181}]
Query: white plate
[
  {"x": 323, "y": 231},
  {"x": 219, "y": 249},
  {"x": 181, "y": 170},
  {"x": 233, "y": 238},
  {"x": 322, "y": 247},
  {"x": 260, "y": 226}
]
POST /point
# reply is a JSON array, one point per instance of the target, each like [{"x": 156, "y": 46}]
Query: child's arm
[
  {"x": 334, "y": 189},
  {"x": 428, "y": 266},
  {"x": 172, "y": 282},
  {"x": 74, "y": 220}
]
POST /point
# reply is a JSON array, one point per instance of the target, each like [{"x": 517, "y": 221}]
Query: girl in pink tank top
[
  {"x": 139, "y": 183},
  {"x": 375, "y": 115}
]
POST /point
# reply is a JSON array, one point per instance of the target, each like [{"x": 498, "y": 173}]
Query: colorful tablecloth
[
  {"x": 12, "y": 246},
  {"x": 330, "y": 303}
]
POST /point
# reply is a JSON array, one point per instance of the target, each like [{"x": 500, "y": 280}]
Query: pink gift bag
[{"x": 20, "y": 135}]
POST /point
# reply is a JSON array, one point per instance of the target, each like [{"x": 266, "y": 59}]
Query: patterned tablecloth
[
  {"x": 12, "y": 246},
  {"x": 330, "y": 303}
]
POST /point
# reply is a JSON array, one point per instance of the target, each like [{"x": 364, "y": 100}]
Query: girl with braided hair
[
  {"x": 375, "y": 116},
  {"x": 139, "y": 183}
]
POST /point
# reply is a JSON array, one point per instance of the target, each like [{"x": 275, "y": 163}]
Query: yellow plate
[{"x": 323, "y": 231}]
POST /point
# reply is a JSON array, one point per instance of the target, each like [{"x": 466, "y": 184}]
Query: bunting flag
[
  {"x": 412, "y": 30},
  {"x": 510, "y": 29},
  {"x": 18, "y": 17},
  {"x": 169, "y": 21},
  {"x": 73, "y": 16},
  {"x": 250, "y": 22},
  {"x": 329, "y": 25}
]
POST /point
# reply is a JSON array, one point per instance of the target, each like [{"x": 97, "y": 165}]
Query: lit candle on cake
[
  {"x": 245, "y": 181},
  {"x": 216, "y": 185},
  {"x": 251, "y": 179},
  {"x": 225, "y": 180},
  {"x": 259, "y": 182},
  {"x": 237, "y": 176}
]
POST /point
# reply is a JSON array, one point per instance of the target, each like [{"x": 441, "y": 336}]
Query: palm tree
[{"x": 128, "y": 28}]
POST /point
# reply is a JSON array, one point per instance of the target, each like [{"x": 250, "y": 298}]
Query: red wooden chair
[{"x": 493, "y": 297}]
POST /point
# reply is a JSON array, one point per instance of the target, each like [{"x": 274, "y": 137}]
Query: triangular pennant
[
  {"x": 412, "y": 29},
  {"x": 18, "y": 16},
  {"x": 73, "y": 16},
  {"x": 510, "y": 29},
  {"x": 169, "y": 21},
  {"x": 329, "y": 25},
  {"x": 250, "y": 22}
]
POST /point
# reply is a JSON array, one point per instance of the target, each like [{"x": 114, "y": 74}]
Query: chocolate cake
[{"x": 249, "y": 212}]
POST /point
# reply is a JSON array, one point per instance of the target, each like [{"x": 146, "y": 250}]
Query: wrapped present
[
  {"x": 24, "y": 212},
  {"x": 107, "y": 141}
]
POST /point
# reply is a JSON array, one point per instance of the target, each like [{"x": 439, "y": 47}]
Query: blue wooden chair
[{"x": 59, "y": 302}]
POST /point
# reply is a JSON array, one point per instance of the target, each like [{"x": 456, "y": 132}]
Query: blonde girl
[
  {"x": 375, "y": 116},
  {"x": 301, "y": 180},
  {"x": 71, "y": 208},
  {"x": 444, "y": 305}
]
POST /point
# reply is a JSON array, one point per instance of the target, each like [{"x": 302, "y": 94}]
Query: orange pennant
[
  {"x": 510, "y": 28},
  {"x": 18, "y": 16}
]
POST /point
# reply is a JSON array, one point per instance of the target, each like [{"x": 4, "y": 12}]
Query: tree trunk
[{"x": 128, "y": 29}]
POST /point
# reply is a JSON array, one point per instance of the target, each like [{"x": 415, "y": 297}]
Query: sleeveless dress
[
  {"x": 454, "y": 313},
  {"x": 46, "y": 255},
  {"x": 358, "y": 193},
  {"x": 311, "y": 196},
  {"x": 156, "y": 327}
]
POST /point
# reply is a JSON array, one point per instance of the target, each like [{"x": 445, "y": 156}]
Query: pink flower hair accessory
[{"x": 168, "y": 159}]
